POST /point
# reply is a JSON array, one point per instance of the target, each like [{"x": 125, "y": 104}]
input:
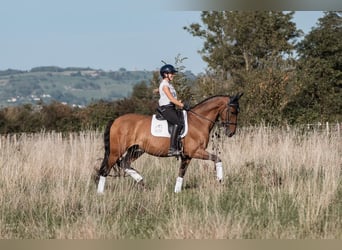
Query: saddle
[{"x": 162, "y": 128}]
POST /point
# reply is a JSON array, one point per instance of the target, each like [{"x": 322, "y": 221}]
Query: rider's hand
[{"x": 186, "y": 106}]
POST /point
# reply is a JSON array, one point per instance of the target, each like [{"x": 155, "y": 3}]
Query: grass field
[{"x": 279, "y": 184}]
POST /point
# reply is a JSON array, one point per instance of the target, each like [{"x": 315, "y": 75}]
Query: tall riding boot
[{"x": 174, "y": 151}]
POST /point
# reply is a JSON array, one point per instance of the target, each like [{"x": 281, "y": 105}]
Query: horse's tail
[{"x": 106, "y": 139}]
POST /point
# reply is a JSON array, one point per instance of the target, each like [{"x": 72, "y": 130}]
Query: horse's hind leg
[
  {"x": 108, "y": 162},
  {"x": 132, "y": 154},
  {"x": 112, "y": 156}
]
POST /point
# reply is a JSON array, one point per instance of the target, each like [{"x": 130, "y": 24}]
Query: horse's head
[{"x": 229, "y": 115}]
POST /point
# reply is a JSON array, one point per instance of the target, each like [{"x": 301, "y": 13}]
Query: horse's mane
[{"x": 209, "y": 98}]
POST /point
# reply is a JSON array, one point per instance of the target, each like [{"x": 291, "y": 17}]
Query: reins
[
  {"x": 214, "y": 122},
  {"x": 201, "y": 116}
]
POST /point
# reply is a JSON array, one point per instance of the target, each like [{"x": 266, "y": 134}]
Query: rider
[{"x": 167, "y": 106}]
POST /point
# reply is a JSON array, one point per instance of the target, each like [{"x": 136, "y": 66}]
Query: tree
[
  {"x": 23, "y": 118},
  {"x": 96, "y": 114},
  {"x": 143, "y": 100},
  {"x": 235, "y": 40},
  {"x": 319, "y": 73},
  {"x": 59, "y": 117},
  {"x": 181, "y": 82},
  {"x": 251, "y": 52}
]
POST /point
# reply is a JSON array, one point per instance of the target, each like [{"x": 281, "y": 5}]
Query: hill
[{"x": 73, "y": 86}]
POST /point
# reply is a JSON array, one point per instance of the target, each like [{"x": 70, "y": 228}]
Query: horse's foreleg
[
  {"x": 218, "y": 166},
  {"x": 204, "y": 155},
  {"x": 182, "y": 170}
]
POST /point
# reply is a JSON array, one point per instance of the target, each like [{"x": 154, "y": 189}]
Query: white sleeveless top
[{"x": 164, "y": 100}]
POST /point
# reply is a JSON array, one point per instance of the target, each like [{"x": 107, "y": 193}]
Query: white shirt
[{"x": 164, "y": 100}]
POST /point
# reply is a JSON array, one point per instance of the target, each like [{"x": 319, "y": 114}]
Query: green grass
[{"x": 287, "y": 189}]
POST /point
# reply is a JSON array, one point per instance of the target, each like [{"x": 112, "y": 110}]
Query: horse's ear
[{"x": 236, "y": 97}]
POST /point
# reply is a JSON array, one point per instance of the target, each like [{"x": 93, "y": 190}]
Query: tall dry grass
[{"x": 278, "y": 184}]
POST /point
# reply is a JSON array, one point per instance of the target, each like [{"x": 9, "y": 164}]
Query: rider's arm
[{"x": 171, "y": 98}]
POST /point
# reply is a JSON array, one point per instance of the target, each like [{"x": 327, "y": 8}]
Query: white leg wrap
[
  {"x": 219, "y": 171},
  {"x": 100, "y": 186},
  {"x": 137, "y": 177},
  {"x": 179, "y": 183}
]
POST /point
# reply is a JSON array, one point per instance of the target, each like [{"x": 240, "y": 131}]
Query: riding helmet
[{"x": 167, "y": 69}]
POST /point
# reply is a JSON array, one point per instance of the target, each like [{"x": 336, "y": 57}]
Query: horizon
[{"x": 105, "y": 36}]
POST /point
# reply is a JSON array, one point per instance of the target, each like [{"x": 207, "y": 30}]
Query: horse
[{"x": 128, "y": 137}]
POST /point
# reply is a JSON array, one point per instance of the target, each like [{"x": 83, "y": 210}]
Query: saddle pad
[{"x": 160, "y": 128}]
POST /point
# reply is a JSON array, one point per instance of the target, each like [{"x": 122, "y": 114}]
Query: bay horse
[{"x": 128, "y": 137}]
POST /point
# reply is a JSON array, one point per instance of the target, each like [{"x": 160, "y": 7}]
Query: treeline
[
  {"x": 57, "y": 116},
  {"x": 285, "y": 79},
  {"x": 250, "y": 52}
]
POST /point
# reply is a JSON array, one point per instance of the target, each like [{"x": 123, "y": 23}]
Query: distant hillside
[{"x": 74, "y": 86}]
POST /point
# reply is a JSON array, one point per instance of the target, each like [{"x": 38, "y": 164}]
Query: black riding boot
[{"x": 174, "y": 150}]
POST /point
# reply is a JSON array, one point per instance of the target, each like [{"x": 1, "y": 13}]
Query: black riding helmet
[{"x": 167, "y": 69}]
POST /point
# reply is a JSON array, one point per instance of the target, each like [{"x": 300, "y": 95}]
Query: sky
[{"x": 103, "y": 34}]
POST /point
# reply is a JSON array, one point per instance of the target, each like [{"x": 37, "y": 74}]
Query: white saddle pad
[{"x": 160, "y": 128}]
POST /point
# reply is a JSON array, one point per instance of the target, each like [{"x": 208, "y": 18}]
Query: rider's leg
[
  {"x": 174, "y": 145},
  {"x": 171, "y": 115}
]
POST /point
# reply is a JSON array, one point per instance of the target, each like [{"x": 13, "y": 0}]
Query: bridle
[
  {"x": 223, "y": 123},
  {"x": 233, "y": 103},
  {"x": 227, "y": 122}
]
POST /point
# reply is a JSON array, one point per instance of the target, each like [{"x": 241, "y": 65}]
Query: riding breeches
[{"x": 172, "y": 115}]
